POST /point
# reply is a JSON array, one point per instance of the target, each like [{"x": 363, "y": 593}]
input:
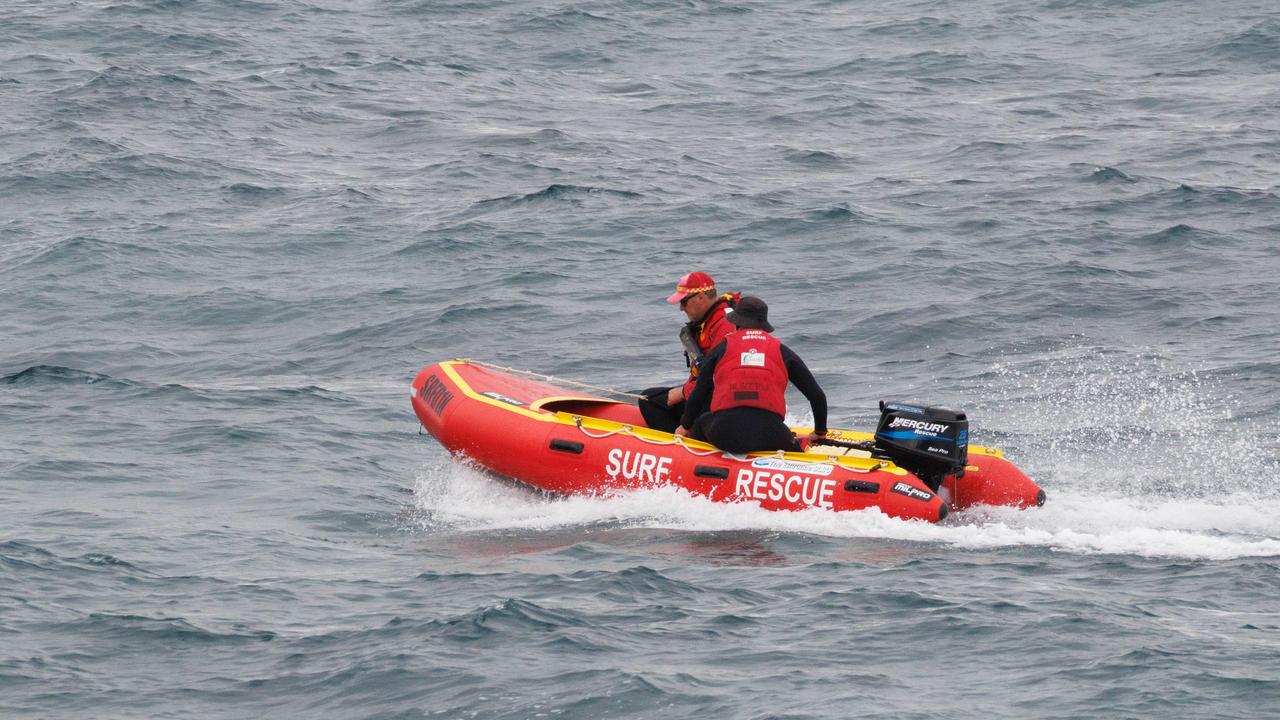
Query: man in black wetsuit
[{"x": 743, "y": 383}]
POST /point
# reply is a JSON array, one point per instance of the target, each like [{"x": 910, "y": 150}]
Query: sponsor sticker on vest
[{"x": 752, "y": 358}]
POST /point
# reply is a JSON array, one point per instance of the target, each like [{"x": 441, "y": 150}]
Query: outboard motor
[{"x": 930, "y": 442}]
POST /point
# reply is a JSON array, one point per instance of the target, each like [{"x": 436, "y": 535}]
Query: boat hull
[{"x": 569, "y": 443}]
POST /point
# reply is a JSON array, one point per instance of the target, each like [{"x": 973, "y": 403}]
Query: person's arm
[
  {"x": 700, "y": 399},
  {"x": 800, "y": 376},
  {"x": 718, "y": 328}
]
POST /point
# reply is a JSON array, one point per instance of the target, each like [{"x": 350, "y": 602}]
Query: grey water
[{"x": 232, "y": 231}]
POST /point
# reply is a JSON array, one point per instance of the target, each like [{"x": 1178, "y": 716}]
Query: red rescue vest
[
  {"x": 751, "y": 373},
  {"x": 713, "y": 328}
]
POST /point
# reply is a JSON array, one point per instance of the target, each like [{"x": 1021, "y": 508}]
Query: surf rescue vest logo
[
  {"x": 752, "y": 358},
  {"x": 436, "y": 395}
]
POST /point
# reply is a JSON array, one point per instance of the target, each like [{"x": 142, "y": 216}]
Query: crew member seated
[
  {"x": 706, "y": 309},
  {"x": 743, "y": 382}
]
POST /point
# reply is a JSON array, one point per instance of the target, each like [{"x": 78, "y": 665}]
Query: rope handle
[
  {"x": 678, "y": 440},
  {"x": 550, "y": 378},
  {"x": 627, "y": 430}
]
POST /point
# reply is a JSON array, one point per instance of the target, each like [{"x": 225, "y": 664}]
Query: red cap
[{"x": 694, "y": 282}]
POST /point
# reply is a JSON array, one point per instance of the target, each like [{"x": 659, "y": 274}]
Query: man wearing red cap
[{"x": 707, "y": 326}]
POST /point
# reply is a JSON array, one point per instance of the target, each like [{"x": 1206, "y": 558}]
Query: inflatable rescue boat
[{"x": 917, "y": 465}]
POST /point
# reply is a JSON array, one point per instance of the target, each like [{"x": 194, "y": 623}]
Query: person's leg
[
  {"x": 656, "y": 412},
  {"x": 699, "y": 430},
  {"x": 728, "y": 431},
  {"x": 784, "y": 439},
  {"x": 742, "y": 430}
]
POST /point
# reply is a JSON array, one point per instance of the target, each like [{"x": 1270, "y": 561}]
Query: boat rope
[
  {"x": 550, "y": 378},
  {"x": 679, "y": 440},
  {"x": 627, "y": 430}
]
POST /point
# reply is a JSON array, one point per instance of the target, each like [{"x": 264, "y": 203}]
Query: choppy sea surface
[{"x": 232, "y": 231}]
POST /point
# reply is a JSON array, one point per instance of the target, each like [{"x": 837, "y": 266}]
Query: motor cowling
[{"x": 930, "y": 442}]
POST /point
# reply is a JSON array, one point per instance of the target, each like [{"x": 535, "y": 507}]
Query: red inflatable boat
[{"x": 567, "y": 442}]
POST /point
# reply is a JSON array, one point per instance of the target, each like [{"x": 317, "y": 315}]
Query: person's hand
[
  {"x": 814, "y": 437},
  {"x": 680, "y": 430},
  {"x": 675, "y": 396}
]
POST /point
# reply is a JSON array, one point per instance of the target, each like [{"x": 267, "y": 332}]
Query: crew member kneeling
[{"x": 744, "y": 382}]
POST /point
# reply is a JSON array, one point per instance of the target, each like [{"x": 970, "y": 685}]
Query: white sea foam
[
  {"x": 459, "y": 497},
  {"x": 1129, "y": 450},
  {"x": 1135, "y": 423}
]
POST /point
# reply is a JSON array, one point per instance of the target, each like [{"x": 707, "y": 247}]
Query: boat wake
[
  {"x": 1138, "y": 458},
  {"x": 455, "y": 497}
]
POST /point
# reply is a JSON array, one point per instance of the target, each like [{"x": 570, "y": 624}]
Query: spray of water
[
  {"x": 1139, "y": 459},
  {"x": 456, "y": 497},
  {"x": 1095, "y": 421}
]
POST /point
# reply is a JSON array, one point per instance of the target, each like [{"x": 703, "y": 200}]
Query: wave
[
  {"x": 53, "y": 374},
  {"x": 1105, "y": 175},
  {"x": 135, "y": 631},
  {"x": 81, "y": 254},
  {"x": 1259, "y": 45},
  {"x": 226, "y": 392},
  {"x": 136, "y": 87},
  {"x": 1182, "y": 198},
  {"x": 546, "y": 137},
  {"x": 928, "y": 62},
  {"x": 167, "y": 8},
  {"x": 18, "y": 555},
  {"x": 577, "y": 196},
  {"x": 1223, "y": 194},
  {"x": 924, "y": 28},
  {"x": 571, "y": 19},
  {"x": 558, "y": 191},
  {"x": 837, "y": 213},
  {"x": 75, "y": 174},
  {"x": 1185, "y": 236},
  {"x": 816, "y": 158},
  {"x": 635, "y": 88},
  {"x": 255, "y": 191},
  {"x": 128, "y": 79},
  {"x": 437, "y": 8},
  {"x": 986, "y": 148}
]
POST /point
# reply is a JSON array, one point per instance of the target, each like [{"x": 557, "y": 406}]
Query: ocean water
[{"x": 232, "y": 231}]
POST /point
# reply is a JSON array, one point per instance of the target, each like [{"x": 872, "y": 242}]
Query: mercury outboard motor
[{"x": 930, "y": 442}]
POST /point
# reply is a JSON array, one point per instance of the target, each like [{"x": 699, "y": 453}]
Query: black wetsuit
[
  {"x": 748, "y": 429},
  {"x": 656, "y": 412}
]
